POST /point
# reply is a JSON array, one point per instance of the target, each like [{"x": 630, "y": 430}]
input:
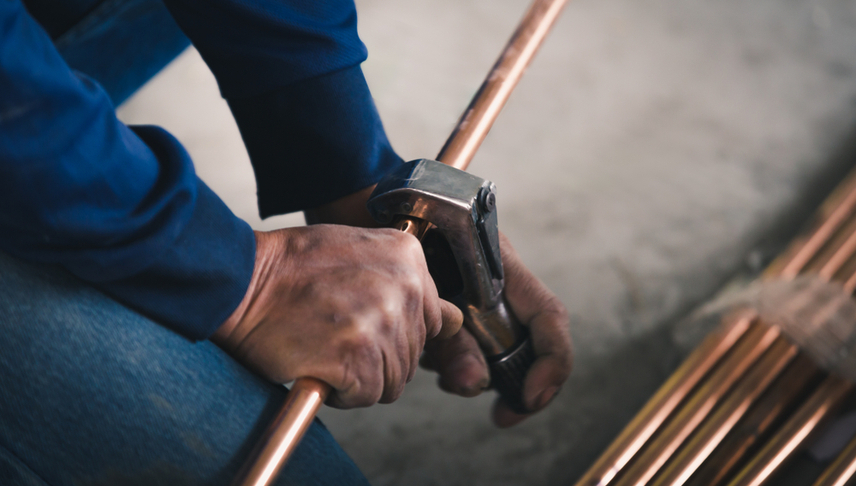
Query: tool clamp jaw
[{"x": 464, "y": 259}]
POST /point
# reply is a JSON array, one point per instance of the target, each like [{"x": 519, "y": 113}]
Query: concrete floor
[{"x": 654, "y": 150}]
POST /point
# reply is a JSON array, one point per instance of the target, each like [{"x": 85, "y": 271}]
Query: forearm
[
  {"x": 290, "y": 72},
  {"x": 119, "y": 207}
]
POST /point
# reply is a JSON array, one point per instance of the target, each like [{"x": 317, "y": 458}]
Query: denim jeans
[{"x": 93, "y": 393}]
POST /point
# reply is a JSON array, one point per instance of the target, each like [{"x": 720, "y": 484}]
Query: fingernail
[{"x": 545, "y": 397}]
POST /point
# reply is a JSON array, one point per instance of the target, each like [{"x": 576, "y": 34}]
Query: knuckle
[
  {"x": 554, "y": 308},
  {"x": 359, "y": 374},
  {"x": 421, "y": 336},
  {"x": 387, "y": 325},
  {"x": 358, "y": 343},
  {"x": 410, "y": 246},
  {"x": 392, "y": 393}
]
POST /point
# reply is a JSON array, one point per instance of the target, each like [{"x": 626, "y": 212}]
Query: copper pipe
[
  {"x": 831, "y": 215},
  {"x": 746, "y": 352},
  {"x": 842, "y": 469},
  {"x": 293, "y": 420},
  {"x": 725, "y": 417},
  {"x": 836, "y": 253},
  {"x": 412, "y": 226},
  {"x": 284, "y": 433},
  {"x": 477, "y": 119},
  {"x": 850, "y": 284},
  {"x": 777, "y": 402},
  {"x": 848, "y": 276},
  {"x": 666, "y": 400},
  {"x": 793, "y": 433}
]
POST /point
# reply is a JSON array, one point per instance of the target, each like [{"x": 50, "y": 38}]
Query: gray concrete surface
[{"x": 655, "y": 149}]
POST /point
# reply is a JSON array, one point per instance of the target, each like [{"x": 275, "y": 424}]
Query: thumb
[
  {"x": 452, "y": 318},
  {"x": 459, "y": 362}
]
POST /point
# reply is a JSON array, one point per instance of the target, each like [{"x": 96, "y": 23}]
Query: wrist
[
  {"x": 349, "y": 210},
  {"x": 232, "y": 331}
]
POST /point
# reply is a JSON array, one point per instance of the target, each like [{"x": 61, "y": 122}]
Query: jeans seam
[{"x": 23, "y": 464}]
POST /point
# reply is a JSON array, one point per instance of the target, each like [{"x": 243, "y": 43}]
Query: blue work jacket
[{"x": 121, "y": 206}]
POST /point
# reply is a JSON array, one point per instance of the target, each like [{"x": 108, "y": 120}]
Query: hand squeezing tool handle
[
  {"x": 462, "y": 250},
  {"x": 307, "y": 394}
]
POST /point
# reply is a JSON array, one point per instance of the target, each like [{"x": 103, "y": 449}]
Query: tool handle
[{"x": 508, "y": 371}]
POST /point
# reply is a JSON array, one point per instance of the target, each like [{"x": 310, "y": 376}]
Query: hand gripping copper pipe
[
  {"x": 842, "y": 469},
  {"x": 307, "y": 394}
]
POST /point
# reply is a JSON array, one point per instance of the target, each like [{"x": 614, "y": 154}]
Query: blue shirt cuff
[
  {"x": 314, "y": 141},
  {"x": 196, "y": 283}
]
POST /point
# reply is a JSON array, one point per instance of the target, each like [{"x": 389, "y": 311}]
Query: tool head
[
  {"x": 462, "y": 207},
  {"x": 463, "y": 255}
]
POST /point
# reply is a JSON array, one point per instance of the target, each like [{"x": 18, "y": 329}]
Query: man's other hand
[
  {"x": 352, "y": 307},
  {"x": 462, "y": 367}
]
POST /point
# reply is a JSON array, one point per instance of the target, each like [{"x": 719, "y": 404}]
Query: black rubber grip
[{"x": 508, "y": 370}]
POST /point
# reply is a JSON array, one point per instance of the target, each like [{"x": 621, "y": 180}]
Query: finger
[
  {"x": 460, "y": 364},
  {"x": 452, "y": 319},
  {"x": 393, "y": 381},
  {"x": 431, "y": 306},
  {"x": 357, "y": 397},
  {"x": 543, "y": 312},
  {"x": 503, "y": 417},
  {"x": 360, "y": 377},
  {"x": 552, "y": 344},
  {"x": 543, "y": 382}
]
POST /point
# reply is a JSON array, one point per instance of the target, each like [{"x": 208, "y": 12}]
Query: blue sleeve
[
  {"x": 290, "y": 72},
  {"x": 119, "y": 207}
]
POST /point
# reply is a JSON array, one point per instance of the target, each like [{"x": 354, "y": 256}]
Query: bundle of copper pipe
[{"x": 747, "y": 399}]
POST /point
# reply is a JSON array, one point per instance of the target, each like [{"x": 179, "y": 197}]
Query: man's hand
[
  {"x": 352, "y": 307},
  {"x": 461, "y": 364}
]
